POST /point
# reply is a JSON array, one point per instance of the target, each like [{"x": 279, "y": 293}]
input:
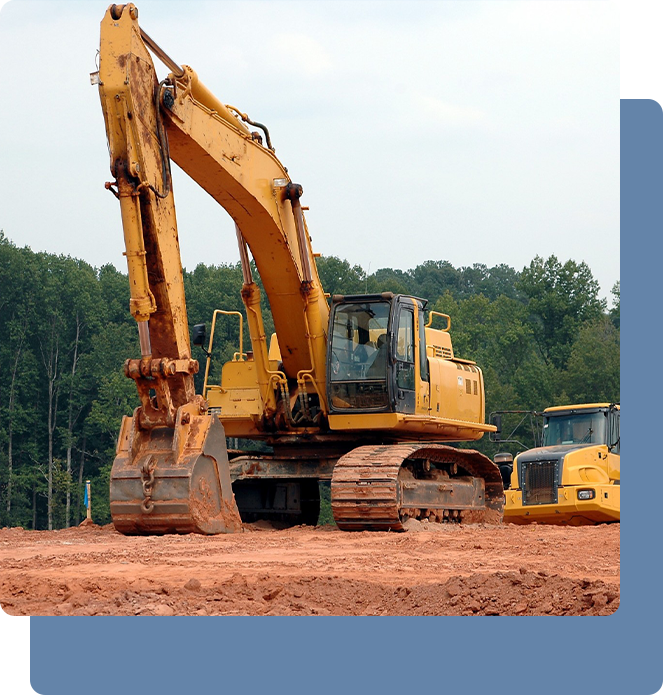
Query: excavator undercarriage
[
  {"x": 373, "y": 487},
  {"x": 378, "y": 488}
]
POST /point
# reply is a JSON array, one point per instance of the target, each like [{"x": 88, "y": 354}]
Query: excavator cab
[{"x": 373, "y": 361}]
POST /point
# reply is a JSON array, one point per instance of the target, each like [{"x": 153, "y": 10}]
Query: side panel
[
  {"x": 613, "y": 466},
  {"x": 398, "y": 426},
  {"x": 238, "y": 395},
  {"x": 456, "y": 390},
  {"x": 585, "y": 466}
]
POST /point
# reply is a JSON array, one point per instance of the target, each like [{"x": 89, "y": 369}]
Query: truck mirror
[
  {"x": 497, "y": 422},
  {"x": 199, "y": 331},
  {"x": 504, "y": 462}
]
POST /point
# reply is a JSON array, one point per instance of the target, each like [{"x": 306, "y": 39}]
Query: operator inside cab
[{"x": 378, "y": 368}]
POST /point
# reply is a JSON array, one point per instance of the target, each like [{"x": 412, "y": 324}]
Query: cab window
[{"x": 405, "y": 349}]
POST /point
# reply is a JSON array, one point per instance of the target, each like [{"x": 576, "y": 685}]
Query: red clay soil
[{"x": 430, "y": 570}]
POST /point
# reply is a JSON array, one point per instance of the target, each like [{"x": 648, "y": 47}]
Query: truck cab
[{"x": 574, "y": 477}]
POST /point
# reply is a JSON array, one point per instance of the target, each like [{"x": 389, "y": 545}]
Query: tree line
[{"x": 542, "y": 335}]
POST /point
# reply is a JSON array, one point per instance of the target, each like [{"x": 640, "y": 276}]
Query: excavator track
[{"x": 377, "y": 488}]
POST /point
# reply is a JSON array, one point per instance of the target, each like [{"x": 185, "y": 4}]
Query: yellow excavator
[
  {"x": 357, "y": 390},
  {"x": 573, "y": 478}
]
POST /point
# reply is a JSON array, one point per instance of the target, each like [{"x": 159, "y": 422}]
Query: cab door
[
  {"x": 613, "y": 445},
  {"x": 403, "y": 351}
]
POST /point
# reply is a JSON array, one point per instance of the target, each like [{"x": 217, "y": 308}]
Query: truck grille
[{"x": 540, "y": 481}]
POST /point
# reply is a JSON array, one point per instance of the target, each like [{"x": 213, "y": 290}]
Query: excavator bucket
[{"x": 173, "y": 480}]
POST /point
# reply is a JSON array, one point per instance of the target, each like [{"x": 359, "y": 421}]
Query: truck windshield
[
  {"x": 358, "y": 355},
  {"x": 574, "y": 428}
]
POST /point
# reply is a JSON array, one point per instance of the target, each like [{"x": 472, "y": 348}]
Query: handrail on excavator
[
  {"x": 237, "y": 357},
  {"x": 444, "y": 316}
]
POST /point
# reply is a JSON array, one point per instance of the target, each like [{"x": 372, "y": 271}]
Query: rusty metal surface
[
  {"x": 276, "y": 488},
  {"x": 273, "y": 467},
  {"x": 289, "y": 502},
  {"x": 379, "y": 487},
  {"x": 171, "y": 382},
  {"x": 177, "y": 480}
]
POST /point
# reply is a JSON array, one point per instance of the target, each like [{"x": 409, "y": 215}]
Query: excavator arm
[
  {"x": 171, "y": 470},
  {"x": 150, "y": 122}
]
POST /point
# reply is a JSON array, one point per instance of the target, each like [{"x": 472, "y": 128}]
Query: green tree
[
  {"x": 339, "y": 277},
  {"x": 616, "y": 301},
  {"x": 559, "y": 298},
  {"x": 432, "y": 279},
  {"x": 390, "y": 280},
  {"x": 493, "y": 282},
  {"x": 592, "y": 373}
]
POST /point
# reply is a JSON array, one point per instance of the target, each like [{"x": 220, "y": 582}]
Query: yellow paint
[
  {"x": 590, "y": 466},
  {"x": 411, "y": 426},
  {"x": 580, "y": 406},
  {"x": 569, "y": 509}
]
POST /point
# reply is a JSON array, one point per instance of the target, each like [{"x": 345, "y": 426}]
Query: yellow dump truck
[{"x": 573, "y": 478}]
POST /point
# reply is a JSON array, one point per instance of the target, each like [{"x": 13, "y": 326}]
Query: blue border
[{"x": 617, "y": 654}]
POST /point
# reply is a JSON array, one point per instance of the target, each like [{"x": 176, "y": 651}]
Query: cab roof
[{"x": 581, "y": 406}]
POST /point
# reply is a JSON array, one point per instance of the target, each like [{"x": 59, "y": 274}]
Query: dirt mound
[{"x": 430, "y": 570}]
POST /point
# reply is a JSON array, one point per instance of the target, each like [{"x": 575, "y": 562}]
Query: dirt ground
[{"x": 430, "y": 570}]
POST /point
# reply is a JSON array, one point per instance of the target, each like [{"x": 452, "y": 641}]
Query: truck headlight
[{"x": 586, "y": 494}]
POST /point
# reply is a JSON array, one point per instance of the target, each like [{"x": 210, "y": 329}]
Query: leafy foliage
[
  {"x": 542, "y": 337},
  {"x": 326, "y": 518},
  {"x": 592, "y": 373},
  {"x": 560, "y": 298}
]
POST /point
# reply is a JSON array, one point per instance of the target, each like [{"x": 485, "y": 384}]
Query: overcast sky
[{"x": 473, "y": 132}]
